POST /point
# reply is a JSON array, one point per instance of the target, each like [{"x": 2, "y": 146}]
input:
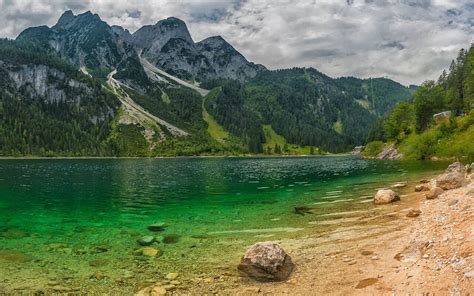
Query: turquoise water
[{"x": 77, "y": 217}]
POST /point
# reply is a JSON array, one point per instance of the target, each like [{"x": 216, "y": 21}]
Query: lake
[{"x": 73, "y": 224}]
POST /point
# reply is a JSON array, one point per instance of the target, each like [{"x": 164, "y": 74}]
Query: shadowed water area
[{"x": 73, "y": 225}]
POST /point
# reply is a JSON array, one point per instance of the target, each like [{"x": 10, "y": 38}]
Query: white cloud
[{"x": 406, "y": 40}]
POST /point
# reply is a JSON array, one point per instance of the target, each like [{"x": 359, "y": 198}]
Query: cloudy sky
[{"x": 406, "y": 40}]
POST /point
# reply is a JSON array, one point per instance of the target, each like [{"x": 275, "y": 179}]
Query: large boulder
[
  {"x": 266, "y": 261},
  {"x": 453, "y": 177},
  {"x": 385, "y": 196},
  {"x": 434, "y": 193}
]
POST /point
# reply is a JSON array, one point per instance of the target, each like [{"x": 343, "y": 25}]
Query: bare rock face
[
  {"x": 385, "y": 196},
  {"x": 266, "y": 261},
  {"x": 434, "y": 193},
  {"x": 390, "y": 153},
  {"x": 453, "y": 177}
]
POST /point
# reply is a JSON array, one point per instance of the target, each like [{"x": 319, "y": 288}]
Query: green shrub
[{"x": 373, "y": 148}]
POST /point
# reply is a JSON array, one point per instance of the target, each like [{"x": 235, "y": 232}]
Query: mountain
[
  {"x": 84, "y": 40},
  {"x": 48, "y": 107},
  {"x": 376, "y": 94},
  {"x": 83, "y": 87},
  {"x": 303, "y": 106},
  {"x": 169, "y": 46}
]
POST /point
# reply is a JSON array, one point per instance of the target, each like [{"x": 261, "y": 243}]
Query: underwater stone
[
  {"x": 266, "y": 261},
  {"x": 14, "y": 234},
  {"x": 172, "y": 276},
  {"x": 385, "y": 196},
  {"x": 146, "y": 240},
  {"x": 171, "y": 239},
  {"x": 159, "y": 226},
  {"x": 150, "y": 252},
  {"x": 413, "y": 213}
]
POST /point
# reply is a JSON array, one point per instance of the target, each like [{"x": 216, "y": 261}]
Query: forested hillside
[
  {"x": 419, "y": 134},
  {"x": 68, "y": 115},
  {"x": 304, "y": 106},
  {"x": 83, "y": 87}
]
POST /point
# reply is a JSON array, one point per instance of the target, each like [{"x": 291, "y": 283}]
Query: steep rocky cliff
[
  {"x": 169, "y": 46},
  {"x": 84, "y": 40}
]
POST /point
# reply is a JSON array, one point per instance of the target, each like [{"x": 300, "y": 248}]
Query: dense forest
[
  {"x": 418, "y": 132},
  {"x": 304, "y": 106},
  {"x": 66, "y": 119}
]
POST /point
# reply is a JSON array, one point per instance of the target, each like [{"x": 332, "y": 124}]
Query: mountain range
[{"x": 83, "y": 87}]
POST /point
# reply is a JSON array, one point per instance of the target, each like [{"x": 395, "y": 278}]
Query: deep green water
[{"x": 212, "y": 206}]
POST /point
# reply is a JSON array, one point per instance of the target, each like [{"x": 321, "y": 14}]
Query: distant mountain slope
[
  {"x": 376, "y": 94},
  {"x": 84, "y": 40},
  {"x": 83, "y": 87},
  {"x": 304, "y": 106},
  {"x": 169, "y": 46},
  {"x": 49, "y": 107}
]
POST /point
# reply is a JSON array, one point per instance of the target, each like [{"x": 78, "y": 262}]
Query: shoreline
[
  {"x": 353, "y": 246},
  {"x": 432, "y": 253},
  {"x": 167, "y": 157}
]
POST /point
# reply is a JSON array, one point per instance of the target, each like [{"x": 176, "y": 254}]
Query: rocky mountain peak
[
  {"x": 68, "y": 19},
  {"x": 154, "y": 37}
]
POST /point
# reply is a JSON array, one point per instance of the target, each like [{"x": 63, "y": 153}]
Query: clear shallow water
[{"x": 213, "y": 207}]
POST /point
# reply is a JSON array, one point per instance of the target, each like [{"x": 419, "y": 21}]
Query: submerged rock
[
  {"x": 171, "y": 239},
  {"x": 15, "y": 256},
  {"x": 172, "y": 276},
  {"x": 14, "y": 234},
  {"x": 266, "y": 261},
  {"x": 146, "y": 240},
  {"x": 422, "y": 187},
  {"x": 434, "y": 193},
  {"x": 158, "y": 226},
  {"x": 385, "y": 196},
  {"x": 303, "y": 210},
  {"x": 150, "y": 252},
  {"x": 366, "y": 282},
  {"x": 157, "y": 290},
  {"x": 413, "y": 213},
  {"x": 453, "y": 177}
]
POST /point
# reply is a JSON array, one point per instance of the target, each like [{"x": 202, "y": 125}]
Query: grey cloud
[
  {"x": 406, "y": 40},
  {"x": 394, "y": 44}
]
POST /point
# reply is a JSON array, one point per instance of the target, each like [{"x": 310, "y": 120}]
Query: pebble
[
  {"x": 150, "y": 252},
  {"x": 158, "y": 226},
  {"x": 453, "y": 202},
  {"x": 426, "y": 256},
  {"x": 469, "y": 274},
  {"x": 374, "y": 258},
  {"x": 158, "y": 291},
  {"x": 172, "y": 276},
  {"x": 146, "y": 240}
]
